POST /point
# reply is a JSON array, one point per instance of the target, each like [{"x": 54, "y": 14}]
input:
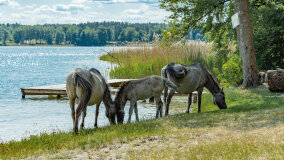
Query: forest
[{"x": 84, "y": 34}]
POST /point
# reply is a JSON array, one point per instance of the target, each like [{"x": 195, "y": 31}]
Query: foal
[{"x": 138, "y": 90}]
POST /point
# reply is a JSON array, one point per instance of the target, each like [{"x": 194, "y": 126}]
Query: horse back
[
  {"x": 145, "y": 88},
  {"x": 194, "y": 78},
  {"x": 95, "y": 84}
]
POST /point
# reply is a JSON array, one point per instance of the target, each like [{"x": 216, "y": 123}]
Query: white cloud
[
  {"x": 10, "y": 3},
  {"x": 79, "y": 1},
  {"x": 126, "y": 1},
  {"x": 73, "y": 8},
  {"x": 78, "y": 11}
]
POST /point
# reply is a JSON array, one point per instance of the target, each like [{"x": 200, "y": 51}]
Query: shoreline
[{"x": 108, "y": 45}]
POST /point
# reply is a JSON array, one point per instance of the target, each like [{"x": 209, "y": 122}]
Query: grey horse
[
  {"x": 189, "y": 78},
  {"x": 138, "y": 90},
  {"x": 88, "y": 87}
]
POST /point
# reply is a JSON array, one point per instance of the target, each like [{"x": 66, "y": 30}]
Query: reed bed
[{"x": 143, "y": 61}]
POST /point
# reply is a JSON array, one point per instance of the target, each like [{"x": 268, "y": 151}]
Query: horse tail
[
  {"x": 164, "y": 72},
  {"x": 169, "y": 84},
  {"x": 176, "y": 70},
  {"x": 164, "y": 75},
  {"x": 86, "y": 90}
]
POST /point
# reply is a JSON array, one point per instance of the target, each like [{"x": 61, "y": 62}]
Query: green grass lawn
[{"x": 251, "y": 128}]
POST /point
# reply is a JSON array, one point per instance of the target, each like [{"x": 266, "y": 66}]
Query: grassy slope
[{"x": 251, "y": 128}]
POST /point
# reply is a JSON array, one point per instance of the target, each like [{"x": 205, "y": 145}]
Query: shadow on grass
[{"x": 247, "y": 109}]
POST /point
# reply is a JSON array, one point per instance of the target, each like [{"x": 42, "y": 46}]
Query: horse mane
[
  {"x": 117, "y": 102},
  {"x": 209, "y": 76},
  {"x": 173, "y": 73},
  {"x": 120, "y": 91}
]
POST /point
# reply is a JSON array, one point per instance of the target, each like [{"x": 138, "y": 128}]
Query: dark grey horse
[
  {"x": 144, "y": 88},
  {"x": 189, "y": 78},
  {"x": 88, "y": 87}
]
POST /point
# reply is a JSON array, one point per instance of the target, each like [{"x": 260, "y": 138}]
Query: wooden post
[{"x": 23, "y": 94}]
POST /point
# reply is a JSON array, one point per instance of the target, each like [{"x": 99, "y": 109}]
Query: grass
[
  {"x": 143, "y": 61},
  {"x": 251, "y": 128}
]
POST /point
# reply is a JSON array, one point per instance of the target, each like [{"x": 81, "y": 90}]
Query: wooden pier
[{"x": 60, "y": 89}]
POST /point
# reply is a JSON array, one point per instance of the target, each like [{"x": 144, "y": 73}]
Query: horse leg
[
  {"x": 199, "y": 100},
  {"x": 83, "y": 117},
  {"x": 97, "y": 114},
  {"x": 72, "y": 106},
  {"x": 172, "y": 92},
  {"x": 132, "y": 103},
  {"x": 189, "y": 102},
  {"x": 159, "y": 106},
  {"x": 165, "y": 94},
  {"x": 136, "y": 111},
  {"x": 79, "y": 110}
]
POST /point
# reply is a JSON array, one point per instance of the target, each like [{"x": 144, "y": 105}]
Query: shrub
[{"x": 232, "y": 72}]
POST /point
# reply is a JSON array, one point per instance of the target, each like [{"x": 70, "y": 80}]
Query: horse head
[
  {"x": 119, "y": 106},
  {"x": 110, "y": 114},
  {"x": 219, "y": 99}
]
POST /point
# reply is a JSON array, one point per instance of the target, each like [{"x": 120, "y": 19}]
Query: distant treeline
[{"x": 83, "y": 34}]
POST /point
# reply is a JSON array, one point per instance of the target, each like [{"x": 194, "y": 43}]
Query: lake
[{"x": 39, "y": 66}]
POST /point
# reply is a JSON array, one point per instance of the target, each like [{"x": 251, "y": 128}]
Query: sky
[{"x": 79, "y": 11}]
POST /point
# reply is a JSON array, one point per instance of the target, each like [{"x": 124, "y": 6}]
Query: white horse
[
  {"x": 138, "y": 90},
  {"x": 88, "y": 87},
  {"x": 191, "y": 78}
]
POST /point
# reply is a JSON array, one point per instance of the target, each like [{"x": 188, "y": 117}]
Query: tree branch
[
  {"x": 109, "y": 54},
  {"x": 207, "y": 13}
]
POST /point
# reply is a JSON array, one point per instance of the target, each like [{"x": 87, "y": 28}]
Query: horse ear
[{"x": 222, "y": 89}]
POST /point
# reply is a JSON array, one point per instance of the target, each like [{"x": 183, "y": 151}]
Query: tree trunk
[{"x": 246, "y": 45}]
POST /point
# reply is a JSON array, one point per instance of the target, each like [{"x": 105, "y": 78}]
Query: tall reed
[{"x": 144, "y": 61}]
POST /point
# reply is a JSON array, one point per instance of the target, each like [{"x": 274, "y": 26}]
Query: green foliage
[
  {"x": 59, "y": 35},
  {"x": 232, "y": 72},
  {"x": 212, "y": 17},
  {"x": 268, "y": 29},
  {"x": 84, "y": 34}
]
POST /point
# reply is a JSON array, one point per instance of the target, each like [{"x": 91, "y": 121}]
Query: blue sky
[{"x": 77, "y": 11}]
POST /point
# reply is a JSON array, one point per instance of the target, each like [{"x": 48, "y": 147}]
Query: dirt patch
[{"x": 178, "y": 140}]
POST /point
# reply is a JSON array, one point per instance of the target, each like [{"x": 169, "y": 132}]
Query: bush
[{"x": 232, "y": 72}]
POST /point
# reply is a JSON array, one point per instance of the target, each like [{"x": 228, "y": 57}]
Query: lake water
[{"x": 39, "y": 66}]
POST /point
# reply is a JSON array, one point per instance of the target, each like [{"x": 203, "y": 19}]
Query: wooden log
[
  {"x": 262, "y": 77},
  {"x": 275, "y": 80}
]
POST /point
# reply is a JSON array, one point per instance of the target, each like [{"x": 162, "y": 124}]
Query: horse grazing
[
  {"x": 138, "y": 90},
  {"x": 189, "y": 78},
  {"x": 88, "y": 87}
]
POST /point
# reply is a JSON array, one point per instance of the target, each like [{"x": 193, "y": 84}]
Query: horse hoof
[{"x": 75, "y": 131}]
